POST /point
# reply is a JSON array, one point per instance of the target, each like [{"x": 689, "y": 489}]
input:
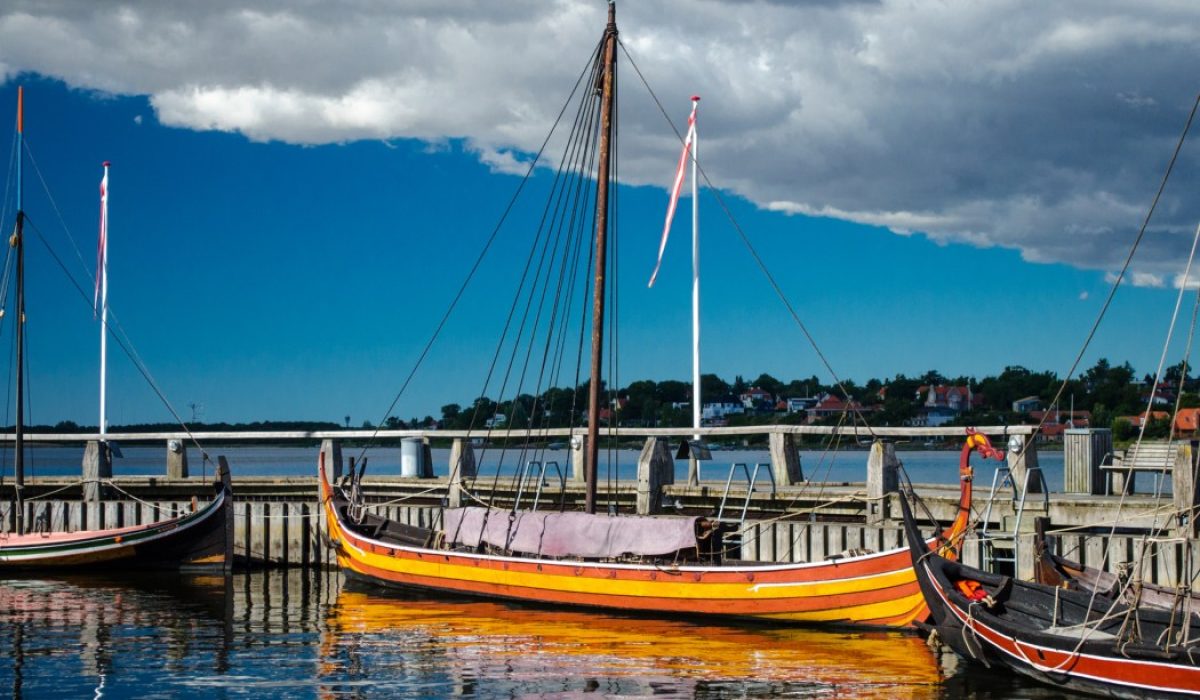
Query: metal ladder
[
  {"x": 527, "y": 472},
  {"x": 1008, "y": 539},
  {"x": 751, "y": 481}
]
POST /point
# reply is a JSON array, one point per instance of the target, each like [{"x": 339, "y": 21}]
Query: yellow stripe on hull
[
  {"x": 906, "y": 608},
  {"x": 648, "y": 589},
  {"x": 748, "y": 590}
]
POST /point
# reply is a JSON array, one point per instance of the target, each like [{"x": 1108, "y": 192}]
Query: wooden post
[
  {"x": 462, "y": 466},
  {"x": 883, "y": 479},
  {"x": 693, "y": 471},
  {"x": 1183, "y": 488},
  {"x": 332, "y": 450},
  {"x": 578, "y": 459},
  {"x": 97, "y": 464},
  {"x": 462, "y": 459},
  {"x": 1022, "y": 460},
  {"x": 177, "y": 462},
  {"x": 785, "y": 462},
  {"x": 226, "y": 479},
  {"x": 655, "y": 469},
  {"x": 426, "y": 471}
]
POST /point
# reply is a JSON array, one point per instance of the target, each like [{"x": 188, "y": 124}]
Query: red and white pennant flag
[{"x": 677, "y": 186}]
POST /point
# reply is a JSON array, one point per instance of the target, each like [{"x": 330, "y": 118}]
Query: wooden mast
[
  {"x": 602, "y": 175},
  {"x": 18, "y": 242}
]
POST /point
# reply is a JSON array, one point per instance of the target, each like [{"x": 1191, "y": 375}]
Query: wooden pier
[{"x": 278, "y": 521}]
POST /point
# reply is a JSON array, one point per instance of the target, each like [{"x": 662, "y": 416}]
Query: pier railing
[{"x": 278, "y": 521}]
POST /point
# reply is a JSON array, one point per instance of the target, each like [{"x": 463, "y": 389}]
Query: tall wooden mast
[
  {"x": 602, "y": 175},
  {"x": 18, "y": 242}
]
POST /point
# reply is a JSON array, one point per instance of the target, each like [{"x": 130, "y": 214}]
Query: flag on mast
[
  {"x": 676, "y": 186},
  {"x": 102, "y": 247}
]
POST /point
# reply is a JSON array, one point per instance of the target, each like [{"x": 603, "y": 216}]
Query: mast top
[
  {"x": 612, "y": 16},
  {"x": 106, "y": 163},
  {"x": 695, "y": 98}
]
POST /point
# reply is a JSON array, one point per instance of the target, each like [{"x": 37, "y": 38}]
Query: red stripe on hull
[
  {"x": 692, "y": 605},
  {"x": 1133, "y": 673}
]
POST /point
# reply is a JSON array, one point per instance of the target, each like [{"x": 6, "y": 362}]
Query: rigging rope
[
  {"x": 474, "y": 268},
  {"x": 1103, "y": 310}
]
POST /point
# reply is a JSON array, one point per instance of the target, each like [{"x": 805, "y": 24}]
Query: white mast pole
[
  {"x": 696, "y": 403},
  {"x": 102, "y": 271}
]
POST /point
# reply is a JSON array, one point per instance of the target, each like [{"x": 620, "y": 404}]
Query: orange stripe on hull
[{"x": 884, "y": 606}]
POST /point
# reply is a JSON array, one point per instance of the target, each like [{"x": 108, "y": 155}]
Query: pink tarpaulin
[{"x": 571, "y": 534}]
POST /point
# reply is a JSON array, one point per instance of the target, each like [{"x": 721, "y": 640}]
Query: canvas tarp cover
[{"x": 570, "y": 534}]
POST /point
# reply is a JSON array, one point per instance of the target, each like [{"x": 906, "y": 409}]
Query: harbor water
[
  {"x": 308, "y": 634},
  {"x": 845, "y": 465}
]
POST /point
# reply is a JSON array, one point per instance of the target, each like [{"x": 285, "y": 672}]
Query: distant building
[
  {"x": 799, "y": 403},
  {"x": 1138, "y": 420},
  {"x": 1187, "y": 422},
  {"x": 756, "y": 399},
  {"x": 941, "y": 404},
  {"x": 720, "y": 410},
  {"x": 829, "y": 405},
  {"x": 1027, "y": 404}
]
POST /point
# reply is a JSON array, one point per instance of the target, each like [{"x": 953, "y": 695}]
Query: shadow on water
[{"x": 305, "y": 634}]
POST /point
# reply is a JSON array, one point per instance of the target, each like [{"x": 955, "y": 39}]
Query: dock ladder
[
  {"x": 751, "y": 484},
  {"x": 1000, "y": 547},
  {"x": 537, "y": 470}
]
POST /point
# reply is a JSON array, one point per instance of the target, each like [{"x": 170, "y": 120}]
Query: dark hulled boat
[
  {"x": 1070, "y": 639},
  {"x": 201, "y": 539},
  {"x": 1054, "y": 570}
]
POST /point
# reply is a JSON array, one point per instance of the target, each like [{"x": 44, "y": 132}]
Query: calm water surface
[
  {"x": 924, "y": 466},
  {"x": 307, "y": 634}
]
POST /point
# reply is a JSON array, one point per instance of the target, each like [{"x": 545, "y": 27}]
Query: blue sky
[{"x": 278, "y": 268}]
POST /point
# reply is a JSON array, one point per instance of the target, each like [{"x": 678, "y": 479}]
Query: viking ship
[
  {"x": 1068, "y": 638},
  {"x": 674, "y": 565},
  {"x": 661, "y": 564},
  {"x": 1054, "y": 570}
]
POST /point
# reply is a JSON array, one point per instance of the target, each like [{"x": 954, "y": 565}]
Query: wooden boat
[
  {"x": 202, "y": 538},
  {"x": 645, "y": 564},
  {"x": 1054, "y": 570},
  {"x": 877, "y": 589},
  {"x": 1066, "y": 638}
]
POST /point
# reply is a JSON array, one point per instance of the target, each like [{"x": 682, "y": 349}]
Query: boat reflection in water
[
  {"x": 402, "y": 642},
  {"x": 73, "y": 635},
  {"x": 302, "y": 634}
]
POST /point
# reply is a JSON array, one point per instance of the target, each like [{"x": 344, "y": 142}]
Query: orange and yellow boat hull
[{"x": 877, "y": 589}]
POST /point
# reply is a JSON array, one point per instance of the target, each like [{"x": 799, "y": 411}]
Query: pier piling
[{"x": 97, "y": 465}]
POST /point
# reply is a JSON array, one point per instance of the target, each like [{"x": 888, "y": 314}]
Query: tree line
[{"x": 1108, "y": 391}]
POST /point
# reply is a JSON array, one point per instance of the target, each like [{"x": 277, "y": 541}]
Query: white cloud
[
  {"x": 1083, "y": 295},
  {"x": 1191, "y": 282},
  {"x": 1037, "y": 126},
  {"x": 506, "y": 162},
  {"x": 1138, "y": 279}
]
